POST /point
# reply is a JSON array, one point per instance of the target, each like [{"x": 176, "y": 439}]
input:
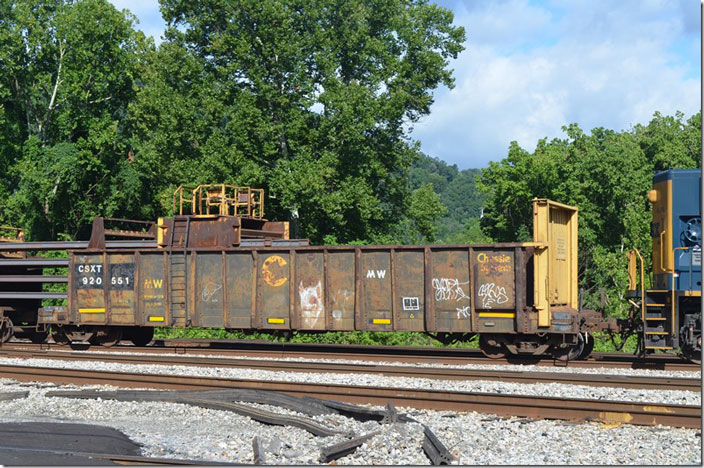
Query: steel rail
[
  {"x": 533, "y": 406},
  {"x": 435, "y": 373},
  {"x": 412, "y": 354}
]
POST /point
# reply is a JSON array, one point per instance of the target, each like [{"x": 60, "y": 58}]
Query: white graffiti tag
[
  {"x": 209, "y": 291},
  {"x": 447, "y": 289},
  {"x": 463, "y": 312},
  {"x": 491, "y": 293},
  {"x": 311, "y": 304}
]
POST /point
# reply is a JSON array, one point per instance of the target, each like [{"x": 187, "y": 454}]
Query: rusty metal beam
[
  {"x": 34, "y": 262},
  {"x": 33, "y": 279},
  {"x": 33, "y": 295}
]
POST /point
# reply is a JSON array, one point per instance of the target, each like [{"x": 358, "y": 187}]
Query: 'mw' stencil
[{"x": 376, "y": 274}]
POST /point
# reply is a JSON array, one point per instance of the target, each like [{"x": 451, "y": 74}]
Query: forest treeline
[
  {"x": 312, "y": 100},
  {"x": 605, "y": 173}
]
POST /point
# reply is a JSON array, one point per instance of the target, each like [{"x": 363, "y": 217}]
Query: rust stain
[
  {"x": 657, "y": 409},
  {"x": 609, "y": 417},
  {"x": 269, "y": 276}
]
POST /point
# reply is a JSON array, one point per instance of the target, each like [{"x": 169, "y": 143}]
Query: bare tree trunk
[{"x": 43, "y": 125}]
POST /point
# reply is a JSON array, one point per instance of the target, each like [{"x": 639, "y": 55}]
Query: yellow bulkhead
[{"x": 555, "y": 262}]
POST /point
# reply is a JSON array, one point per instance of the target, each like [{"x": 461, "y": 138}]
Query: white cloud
[{"x": 609, "y": 64}]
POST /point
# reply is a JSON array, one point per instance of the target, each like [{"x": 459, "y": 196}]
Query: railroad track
[
  {"x": 608, "y": 412},
  {"x": 409, "y": 354},
  {"x": 436, "y": 373},
  {"x": 416, "y": 354}
]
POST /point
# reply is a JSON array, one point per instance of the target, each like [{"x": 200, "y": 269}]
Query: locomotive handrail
[{"x": 633, "y": 281}]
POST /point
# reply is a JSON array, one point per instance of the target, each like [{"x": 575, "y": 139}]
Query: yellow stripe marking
[
  {"x": 496, "y": 315},
  {"x": 92, "y": 311},
  {"x": 156, "y": 319},
  {"x": 276, "y": 320},
  {"x": 382, "y": 321}
]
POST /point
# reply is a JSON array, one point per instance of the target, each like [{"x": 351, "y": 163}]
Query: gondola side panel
[
  {"x": 376, "y": 289},
  {"x": 340, "y": 289},
  {"x": 451, "y": 290},
  {"x": 208, "y": 294},
  {"x": 238, "y": 274},
  {"x": 88, "y": 282},
  {"x": 308, "y": 290},
  {"x": 273, "y": 290},
  {"x": 152, "y": 291},
  {"x": 121, "y": 288},
  {"x": 409, "y": 288}
]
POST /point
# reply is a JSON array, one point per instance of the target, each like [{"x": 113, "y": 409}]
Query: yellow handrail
[
  {"x": 633, "y": 281},
  {"x": 228, "y": 200}
]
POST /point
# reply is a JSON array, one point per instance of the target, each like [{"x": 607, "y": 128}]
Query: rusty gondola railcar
[{"x": 519, "y": 297}]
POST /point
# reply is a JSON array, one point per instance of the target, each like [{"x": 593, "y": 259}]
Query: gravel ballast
[
  {"x": 173, "y": 430},
  {"x": 676, "y": 397}
]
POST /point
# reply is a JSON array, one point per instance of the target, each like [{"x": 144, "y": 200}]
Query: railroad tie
[
  {"x": 13, "y": 395},
  {"x": 258, "y": 451},
  {"x": 341, "y": 449}
]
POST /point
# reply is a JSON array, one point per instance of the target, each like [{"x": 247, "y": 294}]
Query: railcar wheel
[
  {"x": 140, "y": 336},
  {"x": 491, "y": 347},
  {"x": 6, "y": 330},
  {"x": 570, "y": 353},
  {"x": 588, "y": 347},
  {"x": 59, "y": 337}
]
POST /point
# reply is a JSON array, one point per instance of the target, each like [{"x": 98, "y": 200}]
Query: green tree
[
  {"x": 310, "y": 99},
  {"x": 66, "y": 77},
  {"x": 425, "y": 208},
  {"x": 607, "y": 175}
]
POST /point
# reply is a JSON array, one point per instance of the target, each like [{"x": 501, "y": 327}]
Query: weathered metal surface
[
  {"x": 240, "y": 277},
  {"x": 555, "y": 266},
  {"x": 32, "y": 295},
  {"x": 376, "y": 290},
  {"x": 87, "y": 301},
  {"x": 434, "y": 449},
  {"x": 121, "y": 287},
  {"x": 209, "y": 282},
  {"x": 273, "y": 290},
  {"x": 408, "y": 292},
  {"x": 151, "y": 291},
  {"x": 340, "y": 289},
  {"x": 34, "y": 262},
  {"x": 452, "y": 289},
  {"x": 33, "y": 279},
  {"x": 309, "y": 287},
  {"x": 341, "y": 449},
  {"x": 495, "y": 289}
]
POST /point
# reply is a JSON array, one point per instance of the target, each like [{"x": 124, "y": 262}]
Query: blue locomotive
[{"x": 670, "y": 310}]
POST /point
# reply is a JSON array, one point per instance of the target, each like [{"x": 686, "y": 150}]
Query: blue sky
[{"x": 532, "y": 66}]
